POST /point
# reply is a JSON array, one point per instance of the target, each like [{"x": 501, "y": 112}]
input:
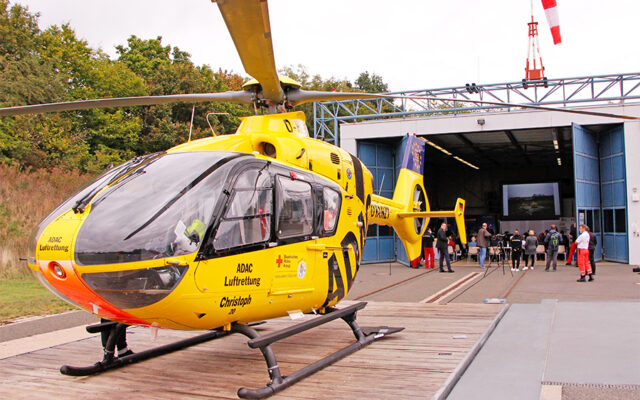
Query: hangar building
[{"x": 517, "y": 169}]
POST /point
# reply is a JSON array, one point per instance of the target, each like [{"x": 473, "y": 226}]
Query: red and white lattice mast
[{"x": 535, "y": 68}]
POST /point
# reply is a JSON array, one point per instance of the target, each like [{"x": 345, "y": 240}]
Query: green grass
[{"x": 26, "y": 297}]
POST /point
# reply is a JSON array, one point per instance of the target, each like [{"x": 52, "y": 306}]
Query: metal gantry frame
[{"x": 588, "y": 90}]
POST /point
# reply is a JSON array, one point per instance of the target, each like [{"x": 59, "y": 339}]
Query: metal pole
[{"x": 193, "y": 111}]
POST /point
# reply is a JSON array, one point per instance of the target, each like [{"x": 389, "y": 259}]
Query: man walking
[
  {"x": 593, "y": 241},
  {"x": 427, "y": 245},
  {"x": 483, "y": 243},
  {"x": 442, "y": 244},
  {"x": 552, "y": 242}
]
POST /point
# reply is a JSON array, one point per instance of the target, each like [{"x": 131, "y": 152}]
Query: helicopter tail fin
[
  {"x": 408, "y": 212},
  {"x": 409, "y": 196}
]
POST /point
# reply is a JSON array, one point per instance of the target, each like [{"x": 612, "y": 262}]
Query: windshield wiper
[
  {"x": 81, "y": 204},
  {"x": 135, "y": 162}
]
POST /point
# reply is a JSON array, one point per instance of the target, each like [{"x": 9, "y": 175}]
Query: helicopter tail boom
[{"x": 457, "y": 213}]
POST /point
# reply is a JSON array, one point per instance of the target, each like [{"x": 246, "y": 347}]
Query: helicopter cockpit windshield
[{"x": 160, "y": 209}]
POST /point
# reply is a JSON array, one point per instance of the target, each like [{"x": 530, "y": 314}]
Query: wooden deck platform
[{"x": 411, "y": 364}]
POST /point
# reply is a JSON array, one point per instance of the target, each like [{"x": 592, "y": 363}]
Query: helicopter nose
[
  {"x": 53, "y": 265},
  {"x": 60, "y": 277}
]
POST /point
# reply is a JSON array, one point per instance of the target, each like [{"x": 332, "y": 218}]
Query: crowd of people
[{"x": 580, "y": 242}]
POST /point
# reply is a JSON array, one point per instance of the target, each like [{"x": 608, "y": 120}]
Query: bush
[{"x": 26, "y": 198}]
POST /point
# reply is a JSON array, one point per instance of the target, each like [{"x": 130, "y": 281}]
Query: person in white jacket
[{"x": 583, "y": 254}]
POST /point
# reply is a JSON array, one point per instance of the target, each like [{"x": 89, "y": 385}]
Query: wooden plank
[{"x": 412, "y": 363}]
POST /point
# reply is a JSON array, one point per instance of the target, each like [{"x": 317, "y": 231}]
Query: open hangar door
[
  {"x": 473, "y": 166},
  {"x": 476, "y": 166},
  {"x": 480, "y": 166},
  {"x": 601, "y": 187}
]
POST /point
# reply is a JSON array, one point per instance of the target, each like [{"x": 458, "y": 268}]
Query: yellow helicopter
[{"x": 219, "y": 233}]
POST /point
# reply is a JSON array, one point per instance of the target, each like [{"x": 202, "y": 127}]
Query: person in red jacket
[
  {"x": 427, "y": 244},
  {"x": 572, "y": 236},
  {"x": 583, "y": 254}
]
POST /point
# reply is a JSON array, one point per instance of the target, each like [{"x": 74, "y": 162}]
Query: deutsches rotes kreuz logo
[{"x": 302, "y": 269}]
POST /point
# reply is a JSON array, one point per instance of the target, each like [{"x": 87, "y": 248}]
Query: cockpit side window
[
  {"x": 247, "y": 219},
  {"x": 331, "y": 209},
  {"x": 294, "y": 208}
]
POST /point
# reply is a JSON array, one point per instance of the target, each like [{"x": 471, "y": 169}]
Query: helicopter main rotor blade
[
  {"x": 297, "y": 97},
  {"x": 239, "y": 97},
  {"x": 248, "y": 24}
]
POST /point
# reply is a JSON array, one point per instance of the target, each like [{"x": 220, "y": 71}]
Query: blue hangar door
[
  {"x": 401, "y": 254},
  {"x": 379, "y": 158},
  {"x": 613, "y": 185},
  {"x": 600, "y": 189}
]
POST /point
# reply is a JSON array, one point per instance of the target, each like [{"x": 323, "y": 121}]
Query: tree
[
  {"x": 301, "y": 75},
  {"x": 51, "y": 65},
  {"x": 371, "y": 83},
  {"x": 54, "y": 65},
  {"x": 169, "y": 70}
]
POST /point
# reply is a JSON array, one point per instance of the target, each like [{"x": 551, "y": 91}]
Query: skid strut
[{"x": 278, "y": 382}]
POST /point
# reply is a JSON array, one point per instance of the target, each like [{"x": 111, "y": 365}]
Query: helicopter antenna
[
  {"x": 193, "y": 111},
  {"x": 209, "y": 122},
  {"x": 381, "y": 183}
]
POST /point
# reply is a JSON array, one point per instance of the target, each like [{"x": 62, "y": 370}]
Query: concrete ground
[
  {"x": 584, "y": 350},
  {"x": 613, "y": 282}
]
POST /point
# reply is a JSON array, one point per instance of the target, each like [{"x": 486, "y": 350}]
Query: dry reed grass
[{"x": 26, "y": 198}]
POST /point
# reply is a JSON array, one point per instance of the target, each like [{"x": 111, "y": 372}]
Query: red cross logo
[{"x": 279, "y": 260}]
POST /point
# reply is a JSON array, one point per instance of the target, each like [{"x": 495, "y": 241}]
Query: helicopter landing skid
[
  {"x": 364, "y": 336},
  {"x": 110, "y": 361}
]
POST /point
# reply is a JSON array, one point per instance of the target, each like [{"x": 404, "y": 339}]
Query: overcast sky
[{"x": 412, "y": 44}]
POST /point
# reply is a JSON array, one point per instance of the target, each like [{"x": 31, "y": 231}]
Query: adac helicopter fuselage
[
  {"x": 233, "y": 228},
  {"x": 229, "y": 228}
]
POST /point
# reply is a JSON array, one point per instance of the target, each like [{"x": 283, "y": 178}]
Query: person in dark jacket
[
  {"x": 483, "y": 243},
  {"x": 442, "y": 244},
  {"x": 516, "y": 250},
  {"x": 552, "y": 243},
  {"x": 593, "y": 241},
  {"x": 427, "y": 245}
]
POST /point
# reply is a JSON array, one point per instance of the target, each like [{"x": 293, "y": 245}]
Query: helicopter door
[
  {"x": 238, "y": 273},
  {"x": 294, "y": 224}
]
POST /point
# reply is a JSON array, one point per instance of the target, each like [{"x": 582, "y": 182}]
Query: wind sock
[{"x": 551, "y": 11}]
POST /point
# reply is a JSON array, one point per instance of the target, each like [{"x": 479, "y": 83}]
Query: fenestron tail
[{"x": 408, "y": 212}]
